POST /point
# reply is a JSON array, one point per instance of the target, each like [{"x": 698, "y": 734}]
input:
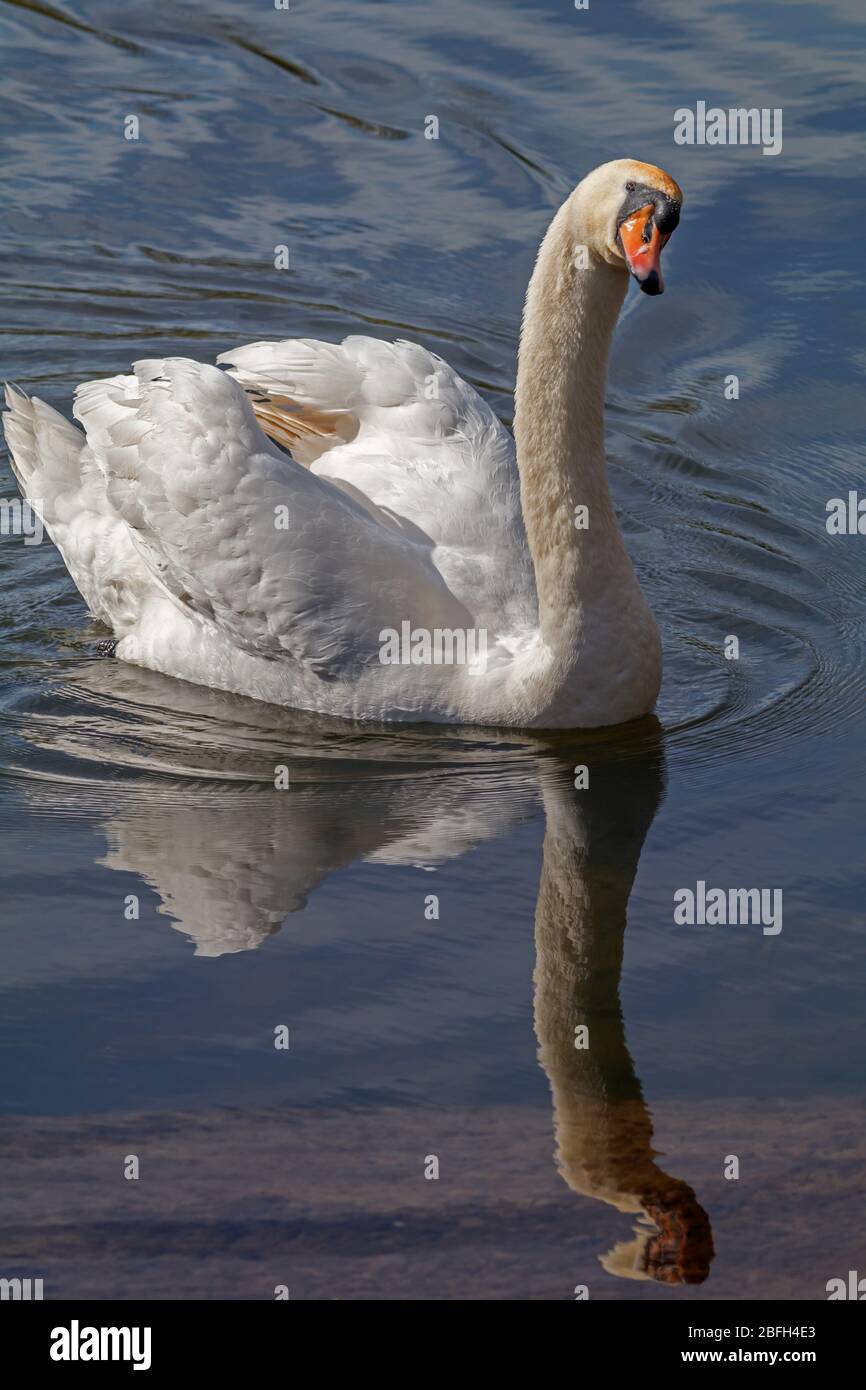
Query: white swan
[{"x": 404, "y": 509}]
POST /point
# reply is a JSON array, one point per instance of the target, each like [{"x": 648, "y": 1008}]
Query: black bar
[{"x": 241, "y": 1337}]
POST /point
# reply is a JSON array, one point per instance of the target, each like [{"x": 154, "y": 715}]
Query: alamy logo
[
  {"x": 20, "y": 518},
  {"x": 438, "y": 646},
  {"x": 21, "y": 1290},
  {"x": 722, "y": 907},
  {"x": 846, "y": 516},
  {"x": 854, "y": 1288},
  {"x": 737, "y": 126},
  {"x": 77, "y": 1343}
]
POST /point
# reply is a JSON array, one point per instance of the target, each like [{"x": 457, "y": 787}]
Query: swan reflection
[
  {"x": 231, "y": 858},
  {"x": 592, "y": 845}
]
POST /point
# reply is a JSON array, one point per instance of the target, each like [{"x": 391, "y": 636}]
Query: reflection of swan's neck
[
  {"x": 568, "y": 321},
  {"x": 602, "y": 1123},
  {"x": 603, "y": 1127}
]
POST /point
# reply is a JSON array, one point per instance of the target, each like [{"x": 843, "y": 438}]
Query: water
[{"x": 412, "y": 1036}]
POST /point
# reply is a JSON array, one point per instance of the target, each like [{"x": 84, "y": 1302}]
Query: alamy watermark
[
  {"x": 438, "y": 646},
  {"x": 737, "y": 126},
  {"x": 21, "y": 1290},
  {"x": 853, "y": 1288},
  {"x": 846, "y": 516},
  {"x": 729, "y": 907},
  {"x": 20, "y": 518},
  {"x": 77, "y": 1343}
]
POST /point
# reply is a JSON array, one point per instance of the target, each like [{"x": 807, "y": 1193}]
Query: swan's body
[{"x": 216, "y": 557}]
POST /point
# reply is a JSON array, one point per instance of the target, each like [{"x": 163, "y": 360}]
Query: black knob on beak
[{"x": 651, "y": 283}]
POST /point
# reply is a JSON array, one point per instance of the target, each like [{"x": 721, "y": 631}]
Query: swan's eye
[{"x": 630, "y": 187}]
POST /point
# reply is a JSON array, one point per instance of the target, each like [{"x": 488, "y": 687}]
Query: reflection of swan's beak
[
  {"x": 681, "y": 1250},
  {"x": 677, "y": 1248},
  {"x": 642, "y": 243}
]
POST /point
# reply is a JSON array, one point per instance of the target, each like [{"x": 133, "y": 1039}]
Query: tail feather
[
  {"x": 19, "y": 426},
  {"x": 45, "y": 451},
  {"x": 58, "y": 475}
]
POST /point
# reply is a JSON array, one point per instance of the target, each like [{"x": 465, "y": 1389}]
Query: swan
[{"x": 348, "y": 529}]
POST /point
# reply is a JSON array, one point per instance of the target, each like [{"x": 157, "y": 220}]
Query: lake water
[{"x": 414, "y": 1036}]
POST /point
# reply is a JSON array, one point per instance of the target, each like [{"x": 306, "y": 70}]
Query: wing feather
[
  {"x": 404, "y": 430},
  {"x": 281, "y": 561}
]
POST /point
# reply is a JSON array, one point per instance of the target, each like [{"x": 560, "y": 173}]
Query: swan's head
[{"x": 625, "y": 211}]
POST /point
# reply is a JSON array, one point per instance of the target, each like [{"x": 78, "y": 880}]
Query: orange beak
[{"x": 642, "y": 243}]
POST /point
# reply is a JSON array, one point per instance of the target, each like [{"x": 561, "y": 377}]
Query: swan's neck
[{"x": 568, "y": 322}]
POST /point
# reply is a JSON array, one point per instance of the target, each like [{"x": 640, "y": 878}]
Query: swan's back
[{"x": 217, "y": 556}]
